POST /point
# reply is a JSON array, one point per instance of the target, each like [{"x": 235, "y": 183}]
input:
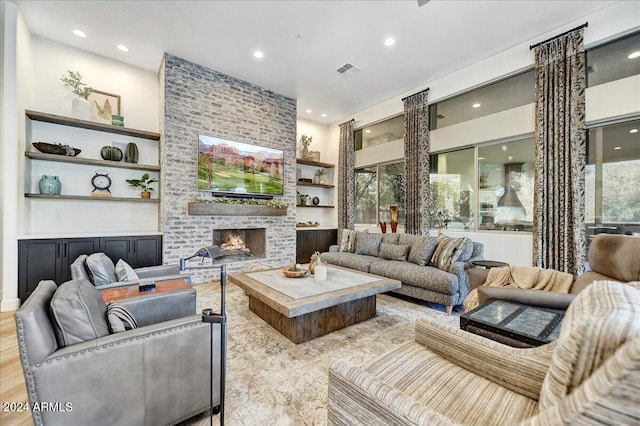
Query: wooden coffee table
[
  {"x": 304, "y": 318},
  {"x": 129, "y": 291}
]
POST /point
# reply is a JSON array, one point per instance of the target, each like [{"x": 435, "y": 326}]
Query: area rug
[{"x": 272, "y": 381}]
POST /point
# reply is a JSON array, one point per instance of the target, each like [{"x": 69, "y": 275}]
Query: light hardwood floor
[{"x": 12, "y": 387}]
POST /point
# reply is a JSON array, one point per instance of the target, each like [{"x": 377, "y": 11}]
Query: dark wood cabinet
[
  {"x": 310, "y": 241},
  {"x": 49, "y": 259}
]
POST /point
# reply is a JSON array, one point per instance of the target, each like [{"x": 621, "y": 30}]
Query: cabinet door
[
  {"x": 74, "y": 247},
  {"x": 325, "y": 238},
  {"x": 305, "y": 245},
  {"x": 38, "y": 260},
  {"x": 116, "y": 248},
  {"x": 147, "y": 251},
  {"x": 300, "y": 246}
]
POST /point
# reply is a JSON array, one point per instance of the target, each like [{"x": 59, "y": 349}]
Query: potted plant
[
  {"x": 305, "y": 141},
  {"x": 320, "y": 174},
  {"x": 303, "y": 199},
  {"x": 79, "y": 105},
  {"x": 144, "y": 183}
]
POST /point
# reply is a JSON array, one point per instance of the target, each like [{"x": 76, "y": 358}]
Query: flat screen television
[{"x": 238, "y": 169}]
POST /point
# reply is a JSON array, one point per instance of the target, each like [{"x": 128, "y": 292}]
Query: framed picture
[{"x": 103, "y": 105}]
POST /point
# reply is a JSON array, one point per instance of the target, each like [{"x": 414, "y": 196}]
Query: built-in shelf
[
  {"x": 88, "y": 197},
  {"x": 311, "y": 205},
  {"x": 314, "y": 163},
  {"x": 91, "y": 125},
  {"x": 317, "y": 185},
  {"x": 90, "y": 161}
]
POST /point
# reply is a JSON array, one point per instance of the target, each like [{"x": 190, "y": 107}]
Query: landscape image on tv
[{"x": 239, "y": 168}]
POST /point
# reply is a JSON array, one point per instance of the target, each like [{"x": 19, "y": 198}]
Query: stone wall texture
[{"x": 197, "y": 100}]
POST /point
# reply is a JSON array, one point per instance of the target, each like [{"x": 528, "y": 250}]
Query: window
[
  {"x": 502, "y": 95},
  {"x": 505, "y": 186},
  {"x": 611, "y": 61},
  {"x": 452, "y": 179},
  {"x": 382, "y": 132},
  {"x": 377, "y": 188},
  {"x": 612, "y": 193}
]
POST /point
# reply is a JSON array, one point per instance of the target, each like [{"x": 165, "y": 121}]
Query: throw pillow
[
  {"x": 422, "y": 250},
  {"x": 124, "y": 271},
  {"x": 408, "y": 239},
  {"x": 120, "y": 319},
  {"x": 101, "y": 269},
  {"x": 368, "y": 244},
  {"x": 78, "y": 313},
  {"x": 393, "y": 251},
  {"x": 447, "y": 252},
  {"x": 467, "y": 251},
  {"x": 347, "y": 241},
  {"x": 390, "y": 238}
]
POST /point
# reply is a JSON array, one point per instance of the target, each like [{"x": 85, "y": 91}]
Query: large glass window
[
  {"x": 452, "y": 178},
  {"x": 612, "y": 175},
  {"x": 505, "y": 186},
  {"x": 377, "y": 188},
  {"x": 379, "y": 133},
  {"x": 502, "y": 95},
  {"x": 613, "y": 61}
]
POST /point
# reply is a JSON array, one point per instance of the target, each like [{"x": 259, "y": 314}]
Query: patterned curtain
[
  {"x": 416, "y": 160},
  {"x": 559, "y": 211},
  {"x": 346, "y": 177}
]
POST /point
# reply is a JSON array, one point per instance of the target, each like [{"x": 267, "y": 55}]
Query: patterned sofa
[
  {"x": 433, "y": 269},
  {"x": 589, "y": 375}
]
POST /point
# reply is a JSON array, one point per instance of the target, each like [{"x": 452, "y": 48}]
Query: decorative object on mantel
[
  {"x": 394, "y": 218},
  {"x": 57, "y": 149},
  {"x": 294, "y": 271},
  {"x": 143, "y": 183},
  {"x": 111, "y": 153},
  {"x": 314, "y": 155},
  {"x": 117, "y": 120},
  {"x": 131, "y": 153},
  {"x": 80, "y": 104},
  {"x": 315, "y": 201},
  {"x": 305, "y": 141},
  {"x": 223, "y": 206},
  {"x": 319, "y": 175},
  {"x": 49, "y": 185},
  {"x": 383, "y": 227},
  {"x": 103, "y": 105}
]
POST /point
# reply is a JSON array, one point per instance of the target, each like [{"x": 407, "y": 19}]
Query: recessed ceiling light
[
  {"x": 617, "y": 148},
  {"x": 635, "y": 55},
  {"x": 367, "y": 131},
  {"x": 79, "y": 33},
  {"x": 258, "y": 54},
  {"x": 481, "y": 158},
  {"x": 510, "y": 157},
  {"x": 323, "y": 115},
  {"x": 633, "y": 131},
  {"x": 123, "y": 48},
  {"x": 389, "y": 42},
  {"x": 504, "y": 147},
  {"x": 308, "y": 111},
  {"x": 476, "y": 105}
]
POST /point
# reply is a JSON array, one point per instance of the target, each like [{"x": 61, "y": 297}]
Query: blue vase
[{"x": 50, "y": 185}]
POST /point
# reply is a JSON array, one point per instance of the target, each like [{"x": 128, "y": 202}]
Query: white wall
[{"x": 605, "y": 101}]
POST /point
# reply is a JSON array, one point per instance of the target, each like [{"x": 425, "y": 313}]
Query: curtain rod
[
  {"x": 425, "y": 90},
  {"x": 585, "y": 25}
]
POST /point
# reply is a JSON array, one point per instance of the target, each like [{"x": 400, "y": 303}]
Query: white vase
[{"x": 80, "y": 108}]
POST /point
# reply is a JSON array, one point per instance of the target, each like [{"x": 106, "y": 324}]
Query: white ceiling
[{"x": 305, "y": 42}]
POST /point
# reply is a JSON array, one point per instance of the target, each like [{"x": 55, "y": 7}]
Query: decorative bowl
[
  {"x": 294, "y": 274},
  {"x": 57, "y": 149}
]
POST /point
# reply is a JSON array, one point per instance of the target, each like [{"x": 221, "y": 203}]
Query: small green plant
[
  {"x": 225, "y": 200},
  {"x": 74, "y": 80},
  {"x": 305, "y": 140},
  {"x": 144, "y": 183},
  {"x": 304, "y": 198},
  {"x": 320, "y": 172}
]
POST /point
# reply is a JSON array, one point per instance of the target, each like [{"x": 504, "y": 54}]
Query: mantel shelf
[
  {"x": 317, "y": 185},
  {"x": 221, "y": 209},
  {"x": 311, "y": 205},
  {"x": 91, "y": 125},
  {"x": 90, "y": 161},
  {"x": 90, "y": 198},
  {"x": 314, "y": 163}
]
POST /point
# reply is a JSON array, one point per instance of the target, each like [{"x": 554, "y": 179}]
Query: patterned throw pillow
[
  {"x": 347, "y": 241},
  {"x": 447, "y": 252},
  {"x": 368, "y": 244},
  {"x": 120, "y": 319},
  {"x": 393, "y": 251},
  {"x": 422, "y": 250},
  {"x": 390, "y": 238},
  {"x": 124, "y": 271}
]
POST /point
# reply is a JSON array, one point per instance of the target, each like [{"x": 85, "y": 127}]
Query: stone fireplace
[{"x": 241, "y": 243}]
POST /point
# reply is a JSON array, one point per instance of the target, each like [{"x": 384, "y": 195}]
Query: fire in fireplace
[
  {"x": 241, "y": 242},
  {"x": 234, "y": 244}
]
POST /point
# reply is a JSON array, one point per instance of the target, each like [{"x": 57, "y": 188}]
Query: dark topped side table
[
  {"x": 488, "y": 264},
  {"x": 513, "y": 324}
]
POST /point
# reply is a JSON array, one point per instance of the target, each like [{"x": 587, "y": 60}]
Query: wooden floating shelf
[
  {"x": 220, "y": 209},
  {"x": 314, "y": 163},
  {"x": 91, "y": 125},
  {"x": 317, "y": 185},
  {"x": 90, "y": 198},
  {"x": 90, "y": 161},
  {"x": 311, "y": 205}
]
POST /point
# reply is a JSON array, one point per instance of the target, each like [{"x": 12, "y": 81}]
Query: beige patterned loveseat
[{"x": 589, "y": 375}]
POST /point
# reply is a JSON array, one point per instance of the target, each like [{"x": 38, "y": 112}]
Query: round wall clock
[{"x": 101, "y": 182}]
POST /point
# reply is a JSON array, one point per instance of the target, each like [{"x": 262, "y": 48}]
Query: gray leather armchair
[
  {"x": 79, "y": 270},
  {"x": 156, "y": 374}
]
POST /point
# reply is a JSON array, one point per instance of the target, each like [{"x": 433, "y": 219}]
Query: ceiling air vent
[{"x": 348, "y": 69}]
